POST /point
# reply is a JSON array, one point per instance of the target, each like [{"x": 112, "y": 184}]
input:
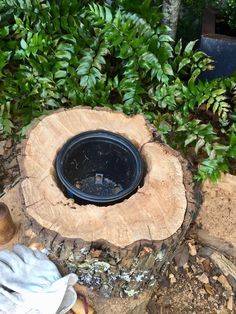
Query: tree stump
[{"x": 118, "y": 250}]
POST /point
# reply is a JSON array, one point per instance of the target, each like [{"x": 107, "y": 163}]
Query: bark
[{"x": 170, "y": 12}]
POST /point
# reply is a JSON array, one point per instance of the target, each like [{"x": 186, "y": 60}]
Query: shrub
[
  {"x": 228, "y": 10},
  {"x": 66, "y": 53}
]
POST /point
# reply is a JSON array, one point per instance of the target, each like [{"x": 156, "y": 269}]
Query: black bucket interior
[{"x": 99, "y": 167}]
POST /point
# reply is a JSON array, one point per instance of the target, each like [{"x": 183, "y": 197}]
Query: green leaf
[
  {"x": 215, "y": 107},
  {"x": 217, "y": 92},
  {"x": 61, "y": 64},
  {"x": 183, "y": 63},
  {"x": 108, "y": 14},
  {"x": 168, "y": 69},
  {"x": 166, "y": 38},
  {"x": 200, "y": 143},
  {"x": 210, "y": 102},
  {"x": 66, "y": 46},
  {"x": 4, "y": 31},
  {"x": 189, "y": 48},
  {"x": 178, "y": 47},
  {"x": 233, "y": 139},
  {"x": 63, "y": 55},
  {"x": 60, "y": 74},
  {"x": 23, "y": 44},
  {"x": 198, "y": 55},
  {"x": 190, "y": 139}
]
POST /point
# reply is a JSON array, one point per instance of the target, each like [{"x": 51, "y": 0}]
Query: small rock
[
  {"x": 172, "y": 278},
  {"x": 185, "y": 267},
  {"x": 2, "y": 150},
  {"x": 29, "y": 233},
  {"x": 8, "y": 144},
  {"x": 232, "y": 282},
  {"x": 211, "y": 299},
  {"x": 194, "y": 269},
  {"x": 202, "y": 291},
  {"x": 12, "y": 164},
  {"x": 203, "y": 278},
  {"x": 8, "y": 152},
  {"x": 230, "y": 303},
  {"x": 205, "y": 251},
  {"x": 222, "y": 279},
  {"x": 192, "y": 249},
  {"x": 182, "y": 255}
]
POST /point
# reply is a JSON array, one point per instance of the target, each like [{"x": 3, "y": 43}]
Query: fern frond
[
  {"x": 131, "y": 87},
  {"x": 100, "y": 14},
  {"x": 89, "y": 70}
]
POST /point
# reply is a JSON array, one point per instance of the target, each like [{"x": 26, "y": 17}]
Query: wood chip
[
  {"x": 194, "y": 269},
  {"x": 95, "y": 253},
  {"x": 230, "y": 303},
  {"x": 206, "y": 265},
  {"x": 224, "y": 264},
  {"x": 209, "y": 289},
  {"x": 37, "y": 246},
  {"x": 223, "y": 280},
  {"x": 192, "y": 249},
  {"x": 203, "y": 278},
  {"x": 172, "y": 278}
]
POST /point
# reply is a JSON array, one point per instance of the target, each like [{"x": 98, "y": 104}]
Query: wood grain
[{"x": 155, "y": 212}]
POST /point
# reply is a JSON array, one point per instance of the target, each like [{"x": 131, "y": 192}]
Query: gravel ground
[{"x": 194, "y": 285}]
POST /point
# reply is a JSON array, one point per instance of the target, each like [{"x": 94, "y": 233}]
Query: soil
[
  {"x": 9, "y": 169},
  {"x": 192, "y": 283},
  {"x": 98, "y": 187},
  {"x": 218, "y": 212},
  {"x": 193, "y": 287}
]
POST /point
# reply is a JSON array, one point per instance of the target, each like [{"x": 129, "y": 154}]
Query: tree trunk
[
  {"x": 118, "y": 250},
  {"x": 170, "y": 10}
]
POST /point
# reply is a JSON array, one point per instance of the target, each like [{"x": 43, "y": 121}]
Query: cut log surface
[{"x": 117, "y": 249}]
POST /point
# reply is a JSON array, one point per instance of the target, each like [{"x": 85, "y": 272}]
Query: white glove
[{"x": 32, "y": 283}]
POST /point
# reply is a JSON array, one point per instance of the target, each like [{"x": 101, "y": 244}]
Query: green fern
[
  {"x": 65, "y": 53},
  {"x": 89, "y": 69}
]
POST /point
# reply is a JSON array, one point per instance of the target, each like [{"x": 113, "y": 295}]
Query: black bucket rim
[{"x": 109, "y": 137}]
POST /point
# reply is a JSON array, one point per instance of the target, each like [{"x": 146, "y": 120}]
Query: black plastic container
[{"x": 99, "y": 167}]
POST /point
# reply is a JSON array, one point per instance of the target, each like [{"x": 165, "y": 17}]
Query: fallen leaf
[
  {"x": 206, "y": 265},
  {"x": 209, "y": 289}
]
